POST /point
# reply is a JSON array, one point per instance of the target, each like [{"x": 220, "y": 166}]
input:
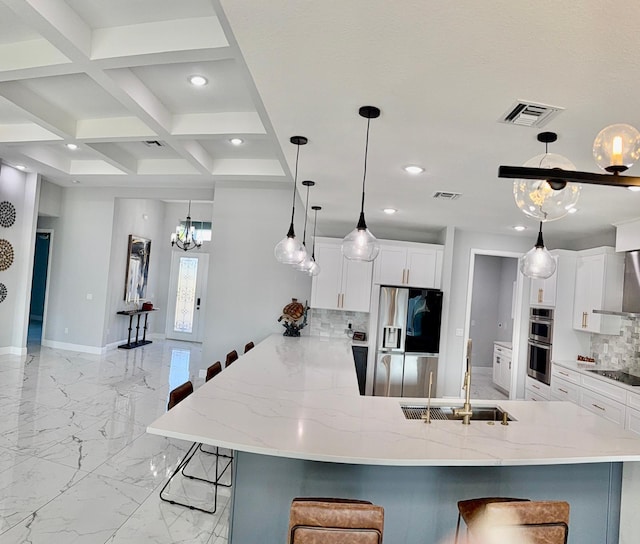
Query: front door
[{"x": 187, "y": 294}]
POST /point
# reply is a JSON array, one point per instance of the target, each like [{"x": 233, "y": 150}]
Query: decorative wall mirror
[{"x": 135, "y": 285}]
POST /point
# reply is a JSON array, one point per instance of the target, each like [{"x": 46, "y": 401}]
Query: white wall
[
  {"x": 247, "y": 287},
  {"x": 21, "y": 190},
  {"x": 50, "y": 199},
  {"x": 484, "y": 308},
  {"x": 450, "y": 375}
]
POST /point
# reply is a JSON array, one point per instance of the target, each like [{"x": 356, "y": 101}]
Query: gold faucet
[{"x": 466, "y": 411}]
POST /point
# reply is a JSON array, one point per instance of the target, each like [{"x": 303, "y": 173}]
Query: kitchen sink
[{"x": 447, "y": 413}]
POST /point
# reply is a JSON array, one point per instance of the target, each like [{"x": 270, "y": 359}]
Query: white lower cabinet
[
  {"x": 502, "y": 367},
  {"x": 535, "y": 390},
  {"x": 600, "y": 396},
  {"x": 601, "y": 405}
]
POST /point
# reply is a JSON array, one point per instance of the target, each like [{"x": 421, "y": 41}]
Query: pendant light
[
  {"x": 314, "y": 268},
  {"x": 360, "y": 244},
  {"x": 543, "y": 199},
  {"x": 538, "y": 263},
  {"x": 289, "y": 250},
  {"x": 304, "y": 265},
  {"x": 185, "y": 236}
]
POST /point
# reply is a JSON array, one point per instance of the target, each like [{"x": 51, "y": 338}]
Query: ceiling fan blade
[{"x": 523, "y": 172}]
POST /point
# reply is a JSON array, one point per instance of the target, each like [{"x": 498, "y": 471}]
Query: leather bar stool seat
[
  {"x": 231, "y": 357},
  {"x": 248, "y": 346},
  {"x": 213, "y": 370},
  {"x": 335, "y": 521},
  {"x": 517, "y": 520}
]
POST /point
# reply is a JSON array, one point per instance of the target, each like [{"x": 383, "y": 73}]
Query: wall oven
[{"x": 539, "y": 344}]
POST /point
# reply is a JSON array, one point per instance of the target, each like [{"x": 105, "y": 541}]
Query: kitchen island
[{"x": 291, "y": 410}]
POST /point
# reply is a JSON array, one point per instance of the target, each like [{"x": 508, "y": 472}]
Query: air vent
[
  {"x": 445, "y": 195},
  {"x": 530, "y": 114},
  {"x": 153, "y": 143}
]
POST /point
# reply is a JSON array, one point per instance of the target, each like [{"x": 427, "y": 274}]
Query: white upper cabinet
[
  {"x": 342, "y": 284},
  {"x": 406, "y": 263},
  {"x": 543, "y": 292},
  {"x": 598, "y": 286}
]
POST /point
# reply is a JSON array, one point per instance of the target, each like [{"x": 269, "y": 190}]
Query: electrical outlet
[
  {"x": 66, "y": 330},
  {"x": 605, "y": 348},
  {"x": 202, "y": 374}
]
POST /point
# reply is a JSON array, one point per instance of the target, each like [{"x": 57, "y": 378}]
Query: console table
[{"x": 137, "y": 342}]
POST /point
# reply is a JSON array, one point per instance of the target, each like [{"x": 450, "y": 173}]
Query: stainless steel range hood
[{"x": 630, "y": 289}]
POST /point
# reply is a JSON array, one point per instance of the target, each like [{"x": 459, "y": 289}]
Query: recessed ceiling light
[
  {"x": 21, "y": 167},
  {"x": 389, "y": 211},
  {"x": 198, "y": 81},
  {"x": 413, "y": 169},
  {"x": 237, "y": 141},
  {"x": 635, "y": 188},
  {"x": 519, "y": 228},
  {"x": 573, "y": 210},
  {"x": 72, "y": 147}
]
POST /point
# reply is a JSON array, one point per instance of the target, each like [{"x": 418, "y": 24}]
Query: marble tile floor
[
  {"x": 482, "y": 386},
  {"x": 76, "y": 464}
]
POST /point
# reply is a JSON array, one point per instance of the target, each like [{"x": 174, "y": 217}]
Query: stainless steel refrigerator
[{"x": 408, "y": 341}]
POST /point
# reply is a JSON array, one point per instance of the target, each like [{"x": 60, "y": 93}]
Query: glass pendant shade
[
  {"x": 314, "y": 269},
  {"x": 536, "y": 198},
  {"x": 538, "y": 263},
  {"x": 304, "y": 264},
  {"x": 290, "y": 250},
  {"x": 360, "y": 244},
  {"x": 617, "y": 147}
]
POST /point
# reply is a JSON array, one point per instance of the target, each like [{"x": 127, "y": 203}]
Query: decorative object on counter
[
  {"x": 7, "y": 214},
  {"x": 538, "y": 263},
  {"x": 147, "y": 306},
  {"x": 289, "y": 250},
  {"x": 314, "y": 267},
  {"x": 585, "y": 359},
  {"x": 137, "y": 273},
  {"x": 6, "y": 254},
  {"x": 3, "y": 292},
  {"x": 186, "y": 236},
  {"x": 360, "y": 244},
  {"x": 538, "y": 198},
  {"x": 305, "y": 263},
  {"x": 292, "y": 313},
  {"x": 615, "y": 149}
]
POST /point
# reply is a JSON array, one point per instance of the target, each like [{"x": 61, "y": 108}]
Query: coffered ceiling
[{"x": 110, "y": 76}]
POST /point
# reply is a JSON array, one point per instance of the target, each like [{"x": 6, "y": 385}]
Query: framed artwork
[{"x": 135, "y": 285}]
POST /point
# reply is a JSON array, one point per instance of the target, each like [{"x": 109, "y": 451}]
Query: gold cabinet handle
[
  {"x": 509, "y": 365},
  {"x": 535, "y": 387},
  {"x": 342, "y": 300},
  {"x": 563, "y": 390},
  {"x": 404, "y": 272},
  {"x": 408, "y": 270},
  {"x": 338, "y": 303},
  {"x": 540, "y": 295},
  {"x": 563, "y": 373},
  {"x": 598, "y": 407}
]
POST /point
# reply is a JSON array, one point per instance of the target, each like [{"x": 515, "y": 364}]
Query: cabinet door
[
  {"x": 543, "y": 292},
  {"x": 391, "y": 265},
  {"x": 497, "y": 367},
  {"x": 421, "y": 268},
  {"x": 589, "y": 292},
  {"x": 356, "y": 285},
  {"x": 326, "y": 286},
  {"x": 505, "y": 378}
]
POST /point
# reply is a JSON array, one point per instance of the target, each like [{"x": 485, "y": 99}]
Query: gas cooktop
[{"x": 618, "y": 375}]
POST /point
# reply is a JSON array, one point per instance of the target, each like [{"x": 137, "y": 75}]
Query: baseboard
[
  {"x": 13, "y": 350},
  {"x": 94, "y": 350}
]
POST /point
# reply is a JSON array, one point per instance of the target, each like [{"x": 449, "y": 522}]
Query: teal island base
[{"x": 419, "y": 502}]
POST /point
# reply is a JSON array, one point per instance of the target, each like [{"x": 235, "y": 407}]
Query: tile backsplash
[
  {"x": 618, "y": 351},
  {"x": 332, "y": 323}
]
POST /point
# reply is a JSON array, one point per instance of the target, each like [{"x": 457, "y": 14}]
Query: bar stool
[
  {"x": 231, "y": 357},
  {"x": 536, "y": 522},
  {"x": 248, "y": 346},
  {"x": 213, "y": 370},
  {"x": 334, "y": 521},
  {"x": 176, "y": 396}
]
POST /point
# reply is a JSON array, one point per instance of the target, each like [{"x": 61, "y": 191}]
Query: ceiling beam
[{"x": 116, "y": 156}]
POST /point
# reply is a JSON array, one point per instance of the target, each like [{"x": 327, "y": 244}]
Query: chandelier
[{"x": 185, "y": 236}]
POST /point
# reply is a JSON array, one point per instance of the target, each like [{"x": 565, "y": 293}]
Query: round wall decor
[
  {"x": 3, "y": 291},
  {"x": 7, "y": 214},
  {"x": 6, "y": 254}
]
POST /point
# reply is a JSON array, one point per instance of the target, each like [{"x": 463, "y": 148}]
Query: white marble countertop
[
  {"x": 503, "y": 343},
  {"x": 298, "y": 398}
]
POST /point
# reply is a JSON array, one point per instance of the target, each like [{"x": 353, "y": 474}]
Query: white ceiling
[{"x": 110, "y": 75}]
